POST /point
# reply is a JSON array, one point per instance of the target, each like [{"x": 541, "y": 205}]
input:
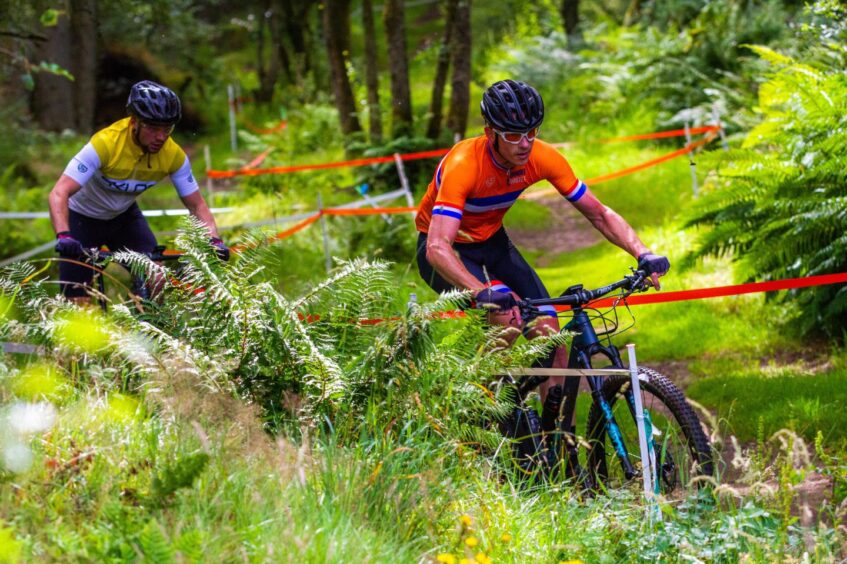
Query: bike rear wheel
[{"x": 681, "y": 449}]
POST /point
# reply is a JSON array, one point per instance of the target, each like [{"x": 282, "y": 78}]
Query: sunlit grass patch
[
  {"x": 86, "y": 330},
  {"x": 528, "y": 214},
  {"x": 8, "y": 309},
  {"x": 751, "y": 398},
  {"x": 10, "y": 548},
  {"x": 41, "y": 381}
]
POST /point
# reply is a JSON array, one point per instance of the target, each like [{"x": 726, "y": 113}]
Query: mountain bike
[
  {"x": 141, "y": 288},
  {"x": 548, "y": 446}
]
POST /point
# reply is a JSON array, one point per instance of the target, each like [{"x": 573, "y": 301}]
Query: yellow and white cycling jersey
[{"x": 113, "y": 171}]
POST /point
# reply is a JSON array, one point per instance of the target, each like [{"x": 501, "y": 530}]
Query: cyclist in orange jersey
[{"x": 462, "y": 243}]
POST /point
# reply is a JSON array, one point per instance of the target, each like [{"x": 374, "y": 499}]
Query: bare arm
[
  {"x": 198, "y": 208},
  {"x": 442, "y": 257},
  {"x": 613, "y": 227},
  {"x": 58, "y": 202}
]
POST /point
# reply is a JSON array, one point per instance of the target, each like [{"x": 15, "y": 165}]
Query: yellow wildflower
[
  {"x": 571, "y": 562},
  {"x": 471, "y": 541},
  {"x": 482, "y": 558},
  {"x": 447, "y": 558},
  {"x": 466, "y": 520},
  {"x": 506, "y": 537}
]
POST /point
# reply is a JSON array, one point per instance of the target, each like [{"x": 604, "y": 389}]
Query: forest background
[{"x": 219, "y": 426}]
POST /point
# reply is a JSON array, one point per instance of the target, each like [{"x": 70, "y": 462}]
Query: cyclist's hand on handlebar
[
  {"x": 492, "y": 299},
  {"x": 654, "y": 266},
  {"x": 220, "y": 248},
  {"x": 67, "y": 246}
]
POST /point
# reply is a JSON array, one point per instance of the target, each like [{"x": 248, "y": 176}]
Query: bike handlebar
[
  {"x": 575, "y": 296},
  {"x": 159, "y": 254}
]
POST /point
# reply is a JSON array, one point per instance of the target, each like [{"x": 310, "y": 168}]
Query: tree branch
[{"x": 23, "y": 35}]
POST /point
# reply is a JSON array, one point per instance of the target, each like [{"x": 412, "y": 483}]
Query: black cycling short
[
  {"x": 495, "y": 261},
  {"x": 128, "y": 231}
]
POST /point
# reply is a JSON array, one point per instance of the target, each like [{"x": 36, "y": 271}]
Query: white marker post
[
  {"x": 647, "y": 470},
  {"x": 404, "y": 181},
  {"x": 691, "y": 162},
  {"x": 327, "y": 258},
  {"x": 210, "y": 192},
  {"x": 716, "y": 116},
  {"x": 233, "y": 135}
]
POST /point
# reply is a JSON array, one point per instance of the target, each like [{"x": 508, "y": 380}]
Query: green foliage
[
  {"x": 779, "y": 203},
  {"x": 154, "y": 544},
  {"x": 833, "y": 466},
  {"x": 660, "y": 65},
  {"x": 175, "y": 475},
  {"x": 384, "y": 177},
  {"x": 758, "y": 403}
]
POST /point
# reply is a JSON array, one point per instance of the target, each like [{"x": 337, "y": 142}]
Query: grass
[{"x": 752, "y": 400}]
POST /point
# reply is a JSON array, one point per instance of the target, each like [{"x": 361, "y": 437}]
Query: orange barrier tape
[
  {"x": 663, "y": 134},
  {"x": 266, "y": 130},
  {"x": 368, "y": 211},
  {"x": 321, "y": 166},
  {"x": 258, "y": 160},
  {"x": 626, "y": 171},
  {"x": 374, "y": 211},
  {"x": 734, "y": 290},
  {"x": 432, "y": 154},
  {"x": 677, "y": 296},
  {"x": 283, "y": 234}
]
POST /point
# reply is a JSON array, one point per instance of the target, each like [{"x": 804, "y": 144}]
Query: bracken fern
[{"x": 779, "y": 203}]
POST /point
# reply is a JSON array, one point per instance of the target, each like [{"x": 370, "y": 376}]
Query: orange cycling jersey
[{"x": 471, "y": 186}]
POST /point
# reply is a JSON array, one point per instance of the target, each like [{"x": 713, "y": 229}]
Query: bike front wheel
[{"x": 680, "y": 448}]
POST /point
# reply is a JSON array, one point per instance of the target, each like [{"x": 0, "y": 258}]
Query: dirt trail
[{"x": 568, "y": 231}]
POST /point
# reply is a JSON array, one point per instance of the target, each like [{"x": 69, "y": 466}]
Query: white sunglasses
[{"x": 513, "y": 137}]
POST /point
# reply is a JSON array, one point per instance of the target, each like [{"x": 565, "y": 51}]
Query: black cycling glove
[
  {"x": 220, "y": 248},
  {"x": 651, "y": 263},
  {"x": 492, "y": 299},
  {"x": 67, "y": 246}
]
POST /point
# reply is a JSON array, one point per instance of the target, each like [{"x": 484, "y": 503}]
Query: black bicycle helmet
[
  {"x": 510, "y": 105},
  {"x": 154, "y": 103}
]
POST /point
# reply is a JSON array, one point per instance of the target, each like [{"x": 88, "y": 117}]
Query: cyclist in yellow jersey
[
  {"x": 93, "y": 202},
  {"x": 462, "y": 243}
]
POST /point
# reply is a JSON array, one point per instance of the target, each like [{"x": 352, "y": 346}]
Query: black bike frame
[{"x": 585, "y": 345}]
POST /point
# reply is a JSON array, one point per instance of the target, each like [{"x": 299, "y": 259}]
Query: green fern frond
[{"x": 154, "y": 545}]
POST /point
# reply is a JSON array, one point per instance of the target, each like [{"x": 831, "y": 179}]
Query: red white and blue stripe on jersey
[
  {"x": 470, "y": 185},
  {"x": 449, "y": 211}
]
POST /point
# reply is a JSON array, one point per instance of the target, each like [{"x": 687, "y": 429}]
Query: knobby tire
[{"x": 681, "y": 434}]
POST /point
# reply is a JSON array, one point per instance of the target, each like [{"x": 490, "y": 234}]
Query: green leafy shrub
[{"x": 779, "y": 203}]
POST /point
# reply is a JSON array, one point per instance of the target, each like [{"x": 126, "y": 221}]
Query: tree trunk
[
  {"x": 336, "y": 20},
  {"x": 436, "y": 104},
  {"x": 371, "y": 77},
  {"x": 84, "y": 23},
  {"x": 296, "y": 17},
  {"x": 269, "y": 72},
  {"x": 570, "y": 16},
  {"x": 460, "y": 95},
  {"x": 401, "y": 99},
  {"x": 284, "y": 60},
  {"x": 54, "y": 100}
]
